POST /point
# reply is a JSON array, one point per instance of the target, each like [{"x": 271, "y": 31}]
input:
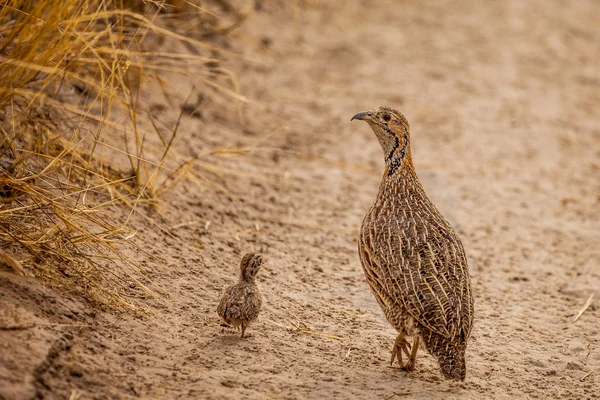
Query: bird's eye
[{"x": 386, "y": 117}]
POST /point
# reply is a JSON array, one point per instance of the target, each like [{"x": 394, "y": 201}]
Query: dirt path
[{"x": 502, "y": 102}]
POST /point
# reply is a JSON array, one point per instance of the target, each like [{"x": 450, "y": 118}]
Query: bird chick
[{"x": 241, "y": 302}]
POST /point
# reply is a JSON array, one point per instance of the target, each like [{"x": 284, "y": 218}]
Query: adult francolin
[
  {"x": 412, "y": 258},
  {"x": 241, "y": 302}
]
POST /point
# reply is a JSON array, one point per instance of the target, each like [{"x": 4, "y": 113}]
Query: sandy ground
[{"x": 502, "y": 99}]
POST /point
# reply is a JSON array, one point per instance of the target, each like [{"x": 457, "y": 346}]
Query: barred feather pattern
[{"x": 415, "y": 264}]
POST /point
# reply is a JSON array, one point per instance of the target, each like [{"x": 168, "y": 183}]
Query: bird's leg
[
  {"x": 400, "y": 345},
  {"x": 413, "y": 356}
]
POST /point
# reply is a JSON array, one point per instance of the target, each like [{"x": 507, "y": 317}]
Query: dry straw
[{"x": 71, "y": 75}]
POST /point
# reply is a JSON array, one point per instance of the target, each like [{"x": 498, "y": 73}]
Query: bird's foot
[
  {"x": 400, "y": 345},
  {"x": 410, "y": 365}
]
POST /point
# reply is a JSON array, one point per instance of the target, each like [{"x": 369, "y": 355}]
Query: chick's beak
[{"x": 361, "y": 115}]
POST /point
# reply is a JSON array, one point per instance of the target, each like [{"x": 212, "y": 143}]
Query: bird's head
[
  {"x": 250, "y": 265},
  {"x": 392, "y": 130}
]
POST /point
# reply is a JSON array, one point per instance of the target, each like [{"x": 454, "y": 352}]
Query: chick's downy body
[{"x": 241, "y": 302}]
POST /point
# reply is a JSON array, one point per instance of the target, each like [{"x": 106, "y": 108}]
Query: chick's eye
[{"x": 386, "y": 117}]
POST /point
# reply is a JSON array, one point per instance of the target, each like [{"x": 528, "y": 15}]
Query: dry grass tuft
[{"x": 72, "y": 153}]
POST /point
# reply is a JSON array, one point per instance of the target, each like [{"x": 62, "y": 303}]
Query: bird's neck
[
  {"x": 400, "y": 176},
  {"x": 399, "y": 163},
  {"x": 246, "y": 277}
]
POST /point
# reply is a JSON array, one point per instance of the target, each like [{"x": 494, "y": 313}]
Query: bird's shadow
[{"x": 229, "y": 335}]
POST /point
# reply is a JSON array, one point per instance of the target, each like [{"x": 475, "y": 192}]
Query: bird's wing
[
  {"x": 240, "y": 301},
  {"x": 426, "y": 273},
  {"x": 232, "y": 302},
  {"x": 253, "y": 303}
]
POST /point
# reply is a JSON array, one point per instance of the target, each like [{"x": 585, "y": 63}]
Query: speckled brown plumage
[
  {"x": 241, "y": 302},
  {"x": 412, "y": 258}
]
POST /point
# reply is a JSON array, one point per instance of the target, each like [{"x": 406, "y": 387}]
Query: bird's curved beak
[{"x": 361, "y": 115}]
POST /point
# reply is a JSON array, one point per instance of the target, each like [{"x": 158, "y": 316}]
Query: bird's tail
[{"x": 449, "y": 353}]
